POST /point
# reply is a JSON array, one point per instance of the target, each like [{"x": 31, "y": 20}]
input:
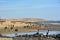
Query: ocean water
[{"x": 31, "y": 33}]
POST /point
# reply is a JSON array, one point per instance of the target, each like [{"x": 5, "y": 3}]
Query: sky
[{"x": 47, "y": 9}]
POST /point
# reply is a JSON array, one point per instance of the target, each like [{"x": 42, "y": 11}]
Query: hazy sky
[{"x": 49, "y": 9}]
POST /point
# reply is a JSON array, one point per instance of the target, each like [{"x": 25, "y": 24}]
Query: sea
[{"x": 31, "y": 33}]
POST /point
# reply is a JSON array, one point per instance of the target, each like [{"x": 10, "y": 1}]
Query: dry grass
[{"x": 4, "y": 31}]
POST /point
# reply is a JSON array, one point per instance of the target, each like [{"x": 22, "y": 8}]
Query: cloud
[
  {"x": 44, "y": 6},
  {"x": 14, "y": 7}
]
